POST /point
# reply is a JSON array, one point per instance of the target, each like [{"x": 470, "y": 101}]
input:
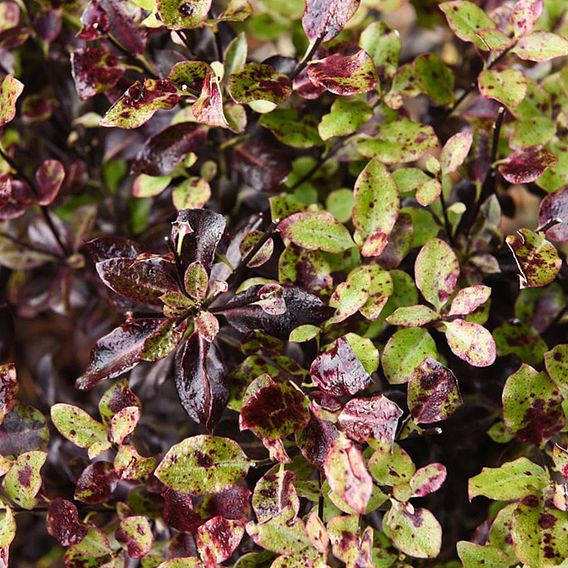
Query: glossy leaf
[
  {"x": 324, "y": 19},
  {"x": 183, "y": 14},
  {"x": 217, "y": 539},
  {"x": 95, "y": 70},
  {"x": 471, "y": 342},
  {"x": 62, "y": 522},
  {"x": 555, "y": 206}
]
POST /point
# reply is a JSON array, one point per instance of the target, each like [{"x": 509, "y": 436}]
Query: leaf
[
  {"x": 521, "y": 340},
  {"x": 136, "y": 533},
  {"x": 414, "y": 531},
  {"x": 316, "y": 230},
  {"x": 188, "y": 77},
  {"x": 24, "y": 429},
  {"x": 208, "y": 108},
  {"x": 140, "y": 102},
  {"x": 183, "y": 14},
  {"x": 541, "y": 46},
  {"x": 428, "y": 479},
  {"x": 398, "y": 142},
  {"x": 95, "y": 70},
  {"x": 19, "y": 257},
  {"x": 324, "y": 19},
  {"x": 259, "y": 82},
  {"x": 436, "y": 272},
  {"x": 556, "y": 362},
  {"x": 383, "y": 45},
  {"x": 62, "y": 522},
  {"x": 217, "y": 539},
  {"x": 97, "y": 483},
  {"x": 338, "y": 371},
  {"x": 470, "y": 23},
  {"x": 532, "y": 406},
  {"x": 473, "y": 555},
  {"x": 292, "y": 128},
  {"x": 130, "y": 465},
  {"x": 455, "y": 151},
  {"x": 203, "y": 464},
  {"x": 365, "y": 350},
  {"x": 345, "y": 117},
  {"x": 315, "y": 440},
  {"x": 513, "y": 480},
  {"x": 524, "y": 15},
  {"x": 507, "y": 86},
  {"x": 433, "y": 392},
  {"x": 364, "y": 418},
  {"x": 23, "y": 482},
  {"x": 351, "y": 295},
  {"x": 404, "y": 351},
  {"x": 536, "y": 258},
  {"x": 526, "y": 165},
  {"x": 274, "y": 493},
  {"x": 164, "y": 151},
  {"x": 469, "y": 299},
  {"x": 200, "y": 381},
  {"x": 8, "y": 389},
  {"x": 10, "y": 90},
  {"x": 94, "y": 548},
  {"x": 555, "y": 206},
  {"x": 471, "y": 342},
  {"x": 435, "y": 78},
  {"x": 74, "y": 424},
  {"x": 391, "y": 466},
  {"x": 347, "y": 474},
  {"x": 344, "y": 75},
  {"x": 412, "y": 316}
]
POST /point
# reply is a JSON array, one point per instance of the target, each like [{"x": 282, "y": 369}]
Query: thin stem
[
  {"x": 447, "y": 225},
  {"x": 306, "y": 59}
]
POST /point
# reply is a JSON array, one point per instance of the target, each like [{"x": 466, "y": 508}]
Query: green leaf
[
  {"x": 477, "y": 555},
  {"x": 236, "y": 55},
  {"x": 507, "y": 86},
  {"x": 533, "y": 131},
  {"x": 541, "y": 46},
  {"x": 304, "y": 333},
  {"x": 10, "y": 90},
  {"x": 345, "y": 117},
  {"x": 380, "y": 290},
  {"x": 383, "y": 45},
  {"x": 436, "y": 271},
  {"x": 471, "y": 342},
  {"x": 532, "y": 406},
  {"x": 556, "y": 362},
  {"x": 391, "y": 467},
  {"x": 404, "y": 351},
  {"x": 351, "y": 295},
  {"x": 183, "y": 14},
  {"x": 78, "y": 427},
  {"x": 136, "y": 534},
  {"x": 150, "y": 186},
  {"x": 455, "y": 152},
  {"x": 435, "y": 78},
  {"x": 513, "y": 480},
  {"x": 365, "y": 350},
  {"x": 203, "y": 464},
  {"x": 291, "y": 128},
  {"x": 7, "y": 526},
  {"x": 316, "y": 230},
  {"x": 19, "y": 257},
  {"x": 340, "y": 204},
  {"x": 521, "y": 340},
  {"x": 259, "y": 82},
  {"x": 23, "y": 482},
  {"x": 470, "y": 23},
  {"x": 412, "y": 316},
  {"x": 93, "y": 550},
  {"x": 413, "y": 531}
]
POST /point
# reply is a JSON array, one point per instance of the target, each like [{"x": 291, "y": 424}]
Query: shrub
[{"x": 282, "y": 284}]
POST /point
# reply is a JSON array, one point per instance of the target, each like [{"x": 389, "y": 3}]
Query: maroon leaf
[
  {"x": 338, "y": 370},
  {"x": 555, "y": 206},
  {"x": 200, "y": 381},
  {"x": 217, "y": 539},
  {"x": 231, "y": 503},
  {"x": 120, "y": 350},
  {"x": 274, "y": 493},
  {"x": 433, "y": 392},
  {"x": 315, "y": 440},
  {"x": 105, "y": 248},
  {"x": 15, "y": 198},
  {"x": 304, "y": 87},
  {"x": 262, "y": 166},
  {"x": 301, "y": 308},
  {"x": 208, "y": 108},
  {"x": 95, "y": 70},
  {"x": 325, "y": 18},
  {"x": 344, "y": 75},
  {"x": 164, "y": 151},
  {"x": 62, "y": 522},
  {"x": 49, "y": 178},
  {"x": 526, "y": 165},
  {"x": 365, "y": 418},
  {"x": 97, "y": 483},
  {"x": 8, "y": 389},
  {"x": 178, "y": 512}
]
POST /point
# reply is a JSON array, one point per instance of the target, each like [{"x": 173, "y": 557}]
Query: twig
[
  {"x": 306, "y": 59},
  {"x": 447, "y": 225}
]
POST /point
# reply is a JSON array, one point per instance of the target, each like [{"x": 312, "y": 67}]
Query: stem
[
  {"x": 26, "y": 245},
  {"x": 139, "y": 61},
  {"x": 301, "y": 66},
  {"x": 447, "y": 225}
]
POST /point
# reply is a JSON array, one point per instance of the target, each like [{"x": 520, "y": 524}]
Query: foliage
[{"x": 283, "y": 284}]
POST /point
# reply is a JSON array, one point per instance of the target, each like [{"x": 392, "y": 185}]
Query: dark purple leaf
[
  {"x": 555, "y": 206},
  {"x": 325, "y": 18},
  {"x": 121, "y": 20},
  {"x": 49, "y": 178},
  {"x": 365, "y": 418},
  {"x": 95, "y": 70},
  {"x": 24, "y": 429},
  {"x": 62, "y": 522},
  {"x": 135, "y": 533},
  {"x": 178, "y": 512},
  {"x": 97, "y": 483},
  {"x": 196, "y": 234},
  {"x": 48, "y": 25},
  {"x": 433, "y": 392},
  {"x": 262, "y": 166},
  {"x": 338, "y": 370},
  {"x": 301, "y": 308},
  {"x": 315, "y": 440},
  {"x": 231, "y": 503},
  {"x": 208, "y": 108},
  {"x": 15, "y": 198},
  {"x": 8, "y": 389},
  {"x": 105, "y": 248},
  {"x": 304, "y": 87},
  {"x": 526, "y": 165},
  {"x": 120, "y": 350},
  {"x": 164, "y": 151},
  {"x": 200, "y": 381}
]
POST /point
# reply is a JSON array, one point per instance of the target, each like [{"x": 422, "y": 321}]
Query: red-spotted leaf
[
  {"x": 541, "y": 46},
  {"x": 24, "y": 429},
  {"x": 23, "y": 481},
  {"x": 455, "y": 151},
  {"x": 62, "y": 522},
  {"x": 164, "y": 151},
  {"x": 344, "y": 75},
  {"x": 338, "y": 371},
  {"x": 507, "y": 86},
  {"x": 526, "y": 165},
  {"x": 95, "y": 70},
  {"x": 16, "y": 198},
  {"x": 436, "y": 271},
  {"x": 200, "y": 380},
  {"x": 116, "y": 398},
  {"x": 10, "y": 90},
  {"x": 471, "y": 342},
  {"x": 347, "y": 474},
  {"x": 273, "y": 493},
  {"x": 232, "y": 503},
  {"x": 8, "y": 389},
  {"x": 315, "y": 440},
  {"x": 136, "y": 534},
  {"x": 413, "y": 316},
  {"x": 188, "y": 77},
  {"x": 524, "y": 15},
  {"x": 433, "y": 392},
  {"x": 427, "y": 479},
  {"x": 97, "y": 483},
  {"x": 555, "y": 206},
  {"x": 123, "y": 423},
  {"x": 140, "y": 102},
  {"x": 183, "y": 14},
  {"x": 217, "y": 539},
  {"x": 49, "y": 178},
  {"x": 259, "y": 82},
  {"x": 537, "y": 259},
  {"x": 365, "y": 418},
  {"x": 129, "y": 464},
  {"x": 178, "y": 511},
  {"x": 324, "y": 19},
  {"x": 263, "y": 255},
  {"x": 469, "y": 299},
  {"x": 208, "y": 108}
]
